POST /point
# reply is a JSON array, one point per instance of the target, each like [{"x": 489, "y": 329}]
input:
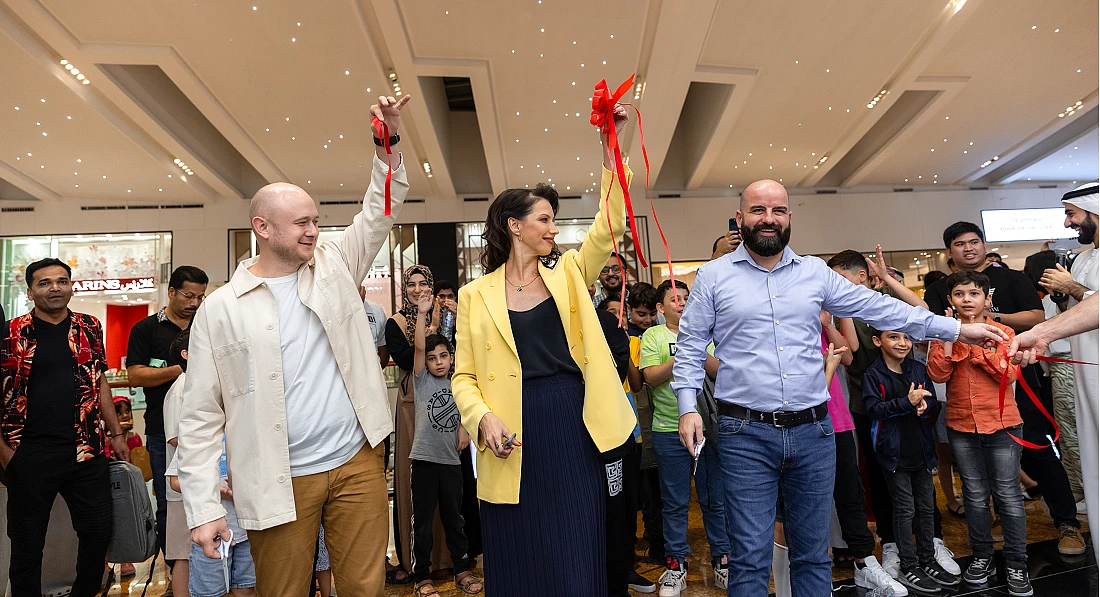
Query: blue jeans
[
  {"x": 763, "y": 462},
  {"x": 674, "y": 462},
  {"x": 206, "y": 577},
  {"x": 158, "y": 456},
  {"x": 990, "y": 465}
]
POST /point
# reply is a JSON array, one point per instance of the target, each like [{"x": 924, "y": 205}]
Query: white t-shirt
[
  {"x": 1060, "y": 346},
  {"x": 173, "y": 402},
  {"x": 322, "y": 429},
  {"x": 377, "y": 317}
]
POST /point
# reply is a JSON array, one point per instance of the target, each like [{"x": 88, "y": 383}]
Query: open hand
[
  {"x": 878, "y": 267},
  {"x": 425, "y": 304}
]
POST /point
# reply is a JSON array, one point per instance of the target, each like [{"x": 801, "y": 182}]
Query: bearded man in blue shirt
[{"x": 761, "y": 306}]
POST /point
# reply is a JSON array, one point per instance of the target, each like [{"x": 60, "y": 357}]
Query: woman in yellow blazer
[{"x": 532, "y": 361}]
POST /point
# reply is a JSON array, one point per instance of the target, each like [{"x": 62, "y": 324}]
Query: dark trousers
[
  {"x": 35, "y": 477},
  {"x": 649, "y": 494},
  {"x": 158, "y": 456},
  {"x": 471, "y": 508},
  {"x": 621, "y": 473},
  {"x": 1043, "y": 466},
  {"x": 876, "y": 484},
  {"x": 989, "y": 464},
  {"x": 914, "y": 500},
  {"x": 848, "y": 498},
  {"x": 437, "y": 485}
]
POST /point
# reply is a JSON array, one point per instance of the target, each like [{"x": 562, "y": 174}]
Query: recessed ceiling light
[
  {"x": 68, "y": 118},
  {"x": 1057, "y": 30},
  {"x": 43, "y": 100},
  {"x": 347, "y": 72},
  {"x": 293, "y": 39},
  {"x": 1033, "y": 27},
  {"x": 254, "y": 8}
]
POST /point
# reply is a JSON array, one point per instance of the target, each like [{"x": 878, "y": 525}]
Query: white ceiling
[
  {"x": 1075, "y": 161},
  {"x": 1003, "y": 71}
]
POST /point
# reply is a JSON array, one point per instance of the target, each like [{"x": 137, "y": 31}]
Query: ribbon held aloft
[
  {"x": 1005, "y": 395},
  {"x": 603, "y": 117},
  {"x": 383, "y": 132}
]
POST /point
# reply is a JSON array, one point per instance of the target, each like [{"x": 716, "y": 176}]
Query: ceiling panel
[
  {"x": 267, "y": 62},
  {"x": 52, "y": 136},
  {"x": 1020, "y": 79}
]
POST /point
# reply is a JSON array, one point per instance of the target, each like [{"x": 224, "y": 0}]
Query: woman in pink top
[{"x": 848, "y": 488}]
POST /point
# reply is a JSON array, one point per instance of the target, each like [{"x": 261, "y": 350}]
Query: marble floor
[{"x": 1053, "y": 575}]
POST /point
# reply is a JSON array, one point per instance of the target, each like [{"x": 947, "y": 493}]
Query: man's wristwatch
[
  {"x": 997, "y": 318},
  {"x": 394, "y": 140}
]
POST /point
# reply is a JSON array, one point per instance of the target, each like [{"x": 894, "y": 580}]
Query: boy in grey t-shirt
[{"x": 436, "y": 468}]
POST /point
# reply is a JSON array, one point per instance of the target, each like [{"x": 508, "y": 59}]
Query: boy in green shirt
[{"x": 675, "y": 462}]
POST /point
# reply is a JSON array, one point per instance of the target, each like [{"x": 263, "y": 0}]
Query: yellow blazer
[{"x": 487, "y": 374}]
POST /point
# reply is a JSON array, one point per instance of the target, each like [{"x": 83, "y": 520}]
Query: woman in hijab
[{"x": 416, "y": 280}]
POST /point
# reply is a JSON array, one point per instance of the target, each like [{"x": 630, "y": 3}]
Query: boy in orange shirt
[{"x": 988, "y": 459}]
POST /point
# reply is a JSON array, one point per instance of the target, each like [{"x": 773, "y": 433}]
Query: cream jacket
[
  {"x": 234, "y": 374},
  {"x": 488, "y": 376}
]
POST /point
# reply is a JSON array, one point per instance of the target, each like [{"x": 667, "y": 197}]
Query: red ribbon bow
[
  {"x": 603, "y": 117},
  {"x": 1030, "y": 394},
  {"x": 383, "y": 133}
]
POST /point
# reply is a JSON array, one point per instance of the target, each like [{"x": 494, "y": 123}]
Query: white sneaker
[
  {"x": 721, "y": 578},
  {"x": 946, "y": 558},
  {"x": 1081, "y": 508},
  {"x": 671, "y": 583},
  {"x": 891, "y": 559},
  {"x": 874, "y": 576}
]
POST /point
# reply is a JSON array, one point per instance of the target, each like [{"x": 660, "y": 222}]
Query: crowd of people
[{"x": 544, "y": 405}]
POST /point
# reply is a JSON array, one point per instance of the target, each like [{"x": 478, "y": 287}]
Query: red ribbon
[
  {"x": 1030, "y": 394},
  {"x": 603, "y": 117},
  {"x": 383, "y": 132}
]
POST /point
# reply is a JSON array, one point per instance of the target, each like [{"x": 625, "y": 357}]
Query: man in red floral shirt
[{"x": 52, "y": 437}]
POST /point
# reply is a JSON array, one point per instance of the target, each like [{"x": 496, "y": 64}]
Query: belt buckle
[{"x": 775, "y": 418}]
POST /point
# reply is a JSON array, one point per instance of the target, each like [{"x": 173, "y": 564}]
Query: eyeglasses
[
  {"x": 612, "y": 269},
  {"x": 191, "y": 297}
]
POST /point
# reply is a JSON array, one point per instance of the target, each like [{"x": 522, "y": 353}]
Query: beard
[
  {"x": 768, "y": 246},
  {"x": 1087, "y": 233}
]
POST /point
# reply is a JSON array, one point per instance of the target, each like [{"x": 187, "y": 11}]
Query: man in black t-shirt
[
  {"x": 58, "y": 418},
  {"x": 1015, "y": 303},
  {"x": 149, "y": 366}
]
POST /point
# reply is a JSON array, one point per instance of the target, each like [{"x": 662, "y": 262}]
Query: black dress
[{"x": 558, "y": 523}]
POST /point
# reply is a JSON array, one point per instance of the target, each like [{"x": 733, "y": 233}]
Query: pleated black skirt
[{"x": 554, "y": 539}]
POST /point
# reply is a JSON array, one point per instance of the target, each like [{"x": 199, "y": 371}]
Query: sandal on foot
[
  {"x": 958, "y": 510},
  {"x": 392, "y": 579},
  {"x": 425, "y": 589},
  {"x": 469, "y": 584}
]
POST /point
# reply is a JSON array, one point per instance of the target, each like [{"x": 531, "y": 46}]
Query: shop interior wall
[{"x": 822, "y": 223}]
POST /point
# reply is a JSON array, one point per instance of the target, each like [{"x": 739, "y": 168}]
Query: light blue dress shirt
[{"x": 766, "y": 329}]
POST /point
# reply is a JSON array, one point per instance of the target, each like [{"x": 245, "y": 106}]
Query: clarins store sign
[{"x": 114, "y": 285}]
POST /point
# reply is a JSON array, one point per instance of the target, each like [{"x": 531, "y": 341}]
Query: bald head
[
  {"x": 285, "y": 218},
  {"x": 270, "y": 198},
  {"x": 764, "y": 191}
]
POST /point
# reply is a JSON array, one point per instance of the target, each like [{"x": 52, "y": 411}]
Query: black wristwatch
[
  {"x": 394, "y": 140},
  {"x": 997, "y": 318}
]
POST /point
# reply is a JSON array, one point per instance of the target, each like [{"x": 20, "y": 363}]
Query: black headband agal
[{"x": 1092, "y": 189}]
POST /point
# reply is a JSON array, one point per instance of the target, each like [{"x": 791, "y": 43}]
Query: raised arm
[
  {"x": 359, "y": 243},
  {"x": 878, "y": 268},
  {"x": 419, "y": 342},
  {"x": 1083, "y": 317},
  {"x": 601, "y": 240}
]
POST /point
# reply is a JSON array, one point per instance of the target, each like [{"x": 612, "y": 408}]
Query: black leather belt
[{"x": 779, "y": 418}]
